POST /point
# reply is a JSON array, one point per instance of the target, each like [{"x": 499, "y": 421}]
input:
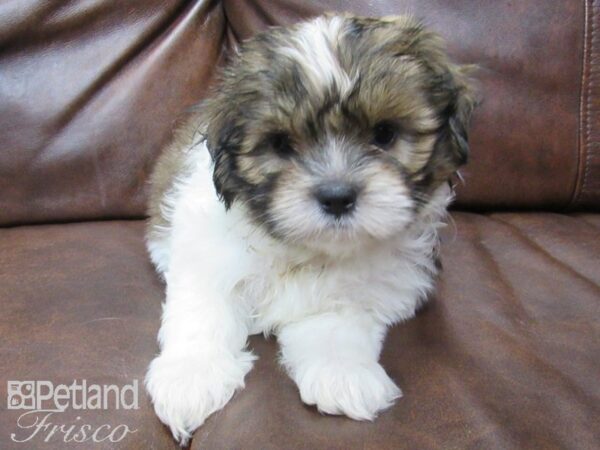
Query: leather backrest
[{"x": 90, "y": 93}]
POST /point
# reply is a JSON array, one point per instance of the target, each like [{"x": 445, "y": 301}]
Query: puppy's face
[{"x": 338, "y": 129}]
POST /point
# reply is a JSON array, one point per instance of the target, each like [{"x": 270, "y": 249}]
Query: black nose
[{"x": 336, "y": 198}]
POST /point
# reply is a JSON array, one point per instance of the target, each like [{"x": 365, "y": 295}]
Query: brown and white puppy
[{"x": 303, "y": 199}]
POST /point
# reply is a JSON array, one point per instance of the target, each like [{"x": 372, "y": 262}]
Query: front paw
[
  {"x": 357, "y": 390},
  {"x": 186, "y": 390}
]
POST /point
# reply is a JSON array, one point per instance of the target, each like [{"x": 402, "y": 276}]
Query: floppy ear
[
  {"x": 221, "y": 169},
  {"x": 451, "y": 90},
  {"x": 223, "y": 144},
  {"x": 453, "y": 139},
  {"x": 223, "y": 139}
]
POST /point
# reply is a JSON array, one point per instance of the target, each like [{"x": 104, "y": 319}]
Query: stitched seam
[
  {"x": 581, "y": 139},
  {"x": 593, "y": 72}
]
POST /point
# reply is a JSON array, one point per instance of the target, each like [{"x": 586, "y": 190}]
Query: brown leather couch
[{"x": 506, "y": 355}]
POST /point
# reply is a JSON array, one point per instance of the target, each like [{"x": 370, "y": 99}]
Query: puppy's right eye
[
  {"x": 281, "y": 144},
  {"x": 384, "y": 134}
]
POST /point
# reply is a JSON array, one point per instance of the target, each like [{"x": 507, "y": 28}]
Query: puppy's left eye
[
  {"x": 281, "y": 143},
  {"x": 384, "y": 134}
]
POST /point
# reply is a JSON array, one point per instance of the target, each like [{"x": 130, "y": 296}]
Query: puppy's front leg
[
  {"x": 202, "y": 338},
  {"x": 333, "y": 358}
]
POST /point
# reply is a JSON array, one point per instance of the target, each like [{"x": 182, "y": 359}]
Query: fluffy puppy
[{"x": 303, "y": 199}]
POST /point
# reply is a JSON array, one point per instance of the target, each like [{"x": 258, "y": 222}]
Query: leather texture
[
  {"x": 588, "y": 185},
  {"x": 90, "y": 93},
  {"x": 504, "y": 356}
]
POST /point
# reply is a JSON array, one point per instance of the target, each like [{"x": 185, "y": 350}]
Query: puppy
[{"x": 303, "y": 199}]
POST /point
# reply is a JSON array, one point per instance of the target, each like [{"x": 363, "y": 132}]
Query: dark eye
[
  {"x": 281, "y": 143},
  {"x": 384, "y": 134}
]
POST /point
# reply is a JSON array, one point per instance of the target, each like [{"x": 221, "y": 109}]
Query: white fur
[
  {"x": 328, "y": 291},
  {"x": 329, "y": 308},
  {"x": 314, "y": 47},
  {"x": 384, "y": 206}
]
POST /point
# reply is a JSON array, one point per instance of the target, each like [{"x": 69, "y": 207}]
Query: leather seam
[
  {"x": 582, "y": 139},
  {"x": 584, "y": 190},
  {"x": 593, "y": 71}
]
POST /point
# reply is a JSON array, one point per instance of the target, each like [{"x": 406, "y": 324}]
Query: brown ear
[
  {"x": 453, "y": 139},
  {"x": 223, "y": 136},
  {"x": 223, "y": 143},
  {"x": 454, "y": 96}
]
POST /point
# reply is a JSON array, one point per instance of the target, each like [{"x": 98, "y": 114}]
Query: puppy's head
[{"x": 338, "y": 129}]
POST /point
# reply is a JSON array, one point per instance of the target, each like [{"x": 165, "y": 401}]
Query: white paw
[
  {"x": 357, "y": 390},
  {"x": 186, "y": 390}
]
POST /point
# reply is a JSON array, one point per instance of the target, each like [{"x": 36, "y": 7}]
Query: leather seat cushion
[{"x": 504, "y": 356}]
